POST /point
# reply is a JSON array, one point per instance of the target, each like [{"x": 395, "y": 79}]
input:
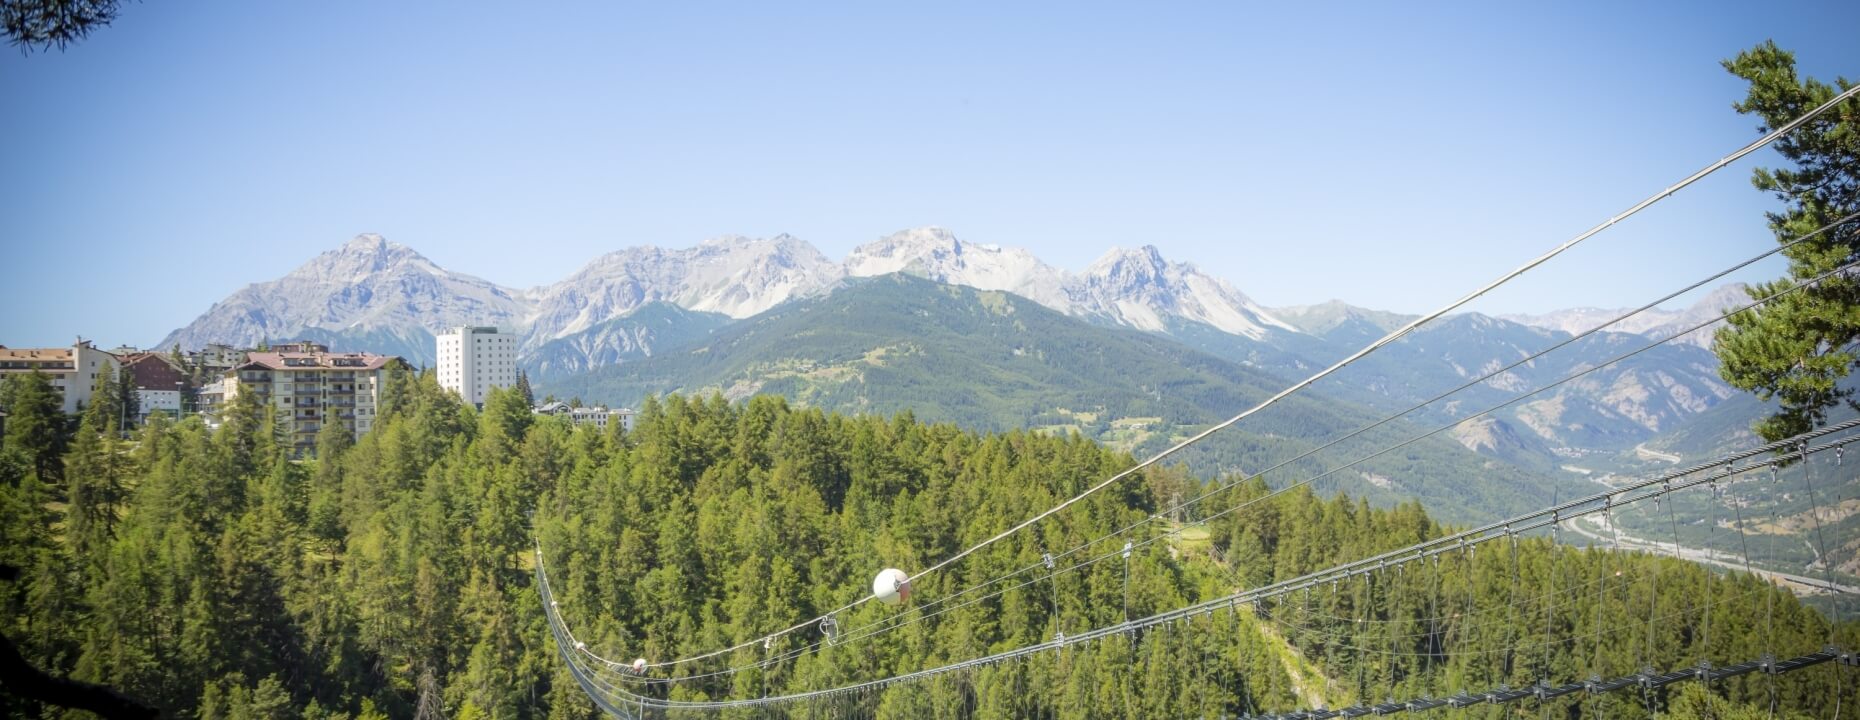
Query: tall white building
[
  {"x": 472, "y": 360},
  {"x": 72, "y": 370}
]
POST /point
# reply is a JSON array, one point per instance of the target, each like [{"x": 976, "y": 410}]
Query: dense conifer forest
[{"x": 213, "y": 575}]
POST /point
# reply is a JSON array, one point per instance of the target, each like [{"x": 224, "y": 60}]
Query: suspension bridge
[{"x": 642, "y": 688}]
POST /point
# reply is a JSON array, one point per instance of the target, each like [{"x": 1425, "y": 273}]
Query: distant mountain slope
[
  {"x": 1727, "y": 428},
  {"x": 1656, "y": 322},
  {"x": 650, "y": 328},
  {"x": 994, "y": 360},
  {"x": 1342, "y": 322},
  {"x": 1614, "y": 406},
  {"x": 1610, "y": 409},
  {"x": 368, "y": 294},
  {"x": 733, "y": 275}
]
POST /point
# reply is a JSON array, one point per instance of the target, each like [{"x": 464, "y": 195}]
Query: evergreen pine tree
[
  {"x": 35, "y": 423},
  {"x": 105, "y": 411},
  {"x": 1797, "y": 348},
  {"x": 523, "y": 389},
  {"x": 128, "y": 395}
]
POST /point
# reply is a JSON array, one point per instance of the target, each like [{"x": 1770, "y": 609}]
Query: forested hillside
[
  {"x": 205, "y": 573},
  {"x": 998, "y": 361}
]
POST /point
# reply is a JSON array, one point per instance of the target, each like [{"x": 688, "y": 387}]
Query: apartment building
[
  {"x": 218, "y": 357},
  {"x": 311, "y": 389},
  {"x": 73, "y": 370},
  {"x": 208, "y": 397},
  {"x": 159, "y": 384},
  {"x": 472, "y": 360}
]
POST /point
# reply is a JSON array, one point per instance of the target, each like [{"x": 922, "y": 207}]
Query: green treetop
[
  {"x": 34, "y": 423},
  {"x": 1797, "y": 348}
]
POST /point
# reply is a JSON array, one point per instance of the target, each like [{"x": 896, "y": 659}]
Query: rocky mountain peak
[
  {"x": 364, "y": 255},
  {"x": 1145, "y": 261},
  {"x": 367, "y": 243},
  {"x": 370, "y": 289},
  {"x": 925, "y": 237},
  {"x": 743, "y": 245},
  {"x": 927, "y": 251},
  {"x": 1140, "y": 288},
  {"x": 734, "y": 275},
  {"x": 1719, "y": 300},
  {"x": 1134, "y": 271},
  {"x": 734, "y": 243},
  {"x": 935, "y": 253}
]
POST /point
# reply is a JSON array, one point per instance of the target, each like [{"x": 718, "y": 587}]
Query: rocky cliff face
[
  {"x": 1139, "y": 289},
  {"x": 650, "y": 329},
  {"x": 733, "y": 275},
  {"x": 936, "y": 254}
]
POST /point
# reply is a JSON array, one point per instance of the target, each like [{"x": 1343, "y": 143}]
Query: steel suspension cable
[
  {"x": 1421, "y": 551},
  {"x": 1422, "y": 320},
  {"x": 1418, "y": 406},
  {"x": 1137, "y": 545},
  {"x": 1393, "y": 336}
]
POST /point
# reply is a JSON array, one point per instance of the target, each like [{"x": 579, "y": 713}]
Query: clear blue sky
[{"x": 1388, "y": 154}]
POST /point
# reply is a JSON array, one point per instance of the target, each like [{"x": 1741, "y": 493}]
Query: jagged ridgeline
[
  {"x": 378, "y": 296},
  {"x": 392, "y": 577}
]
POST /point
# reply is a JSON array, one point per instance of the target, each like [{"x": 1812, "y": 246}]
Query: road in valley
[{"x": 1798, "y": 584}]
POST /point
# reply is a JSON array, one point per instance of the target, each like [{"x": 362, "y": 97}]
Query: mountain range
[
  {"x": 369, "y": 293},
  {"x": 385, "y": 296},
  {"x": 634, "y": 304},
  {"x": 1134, "y": 351},
  {"x": 1654, "y": 322}
]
